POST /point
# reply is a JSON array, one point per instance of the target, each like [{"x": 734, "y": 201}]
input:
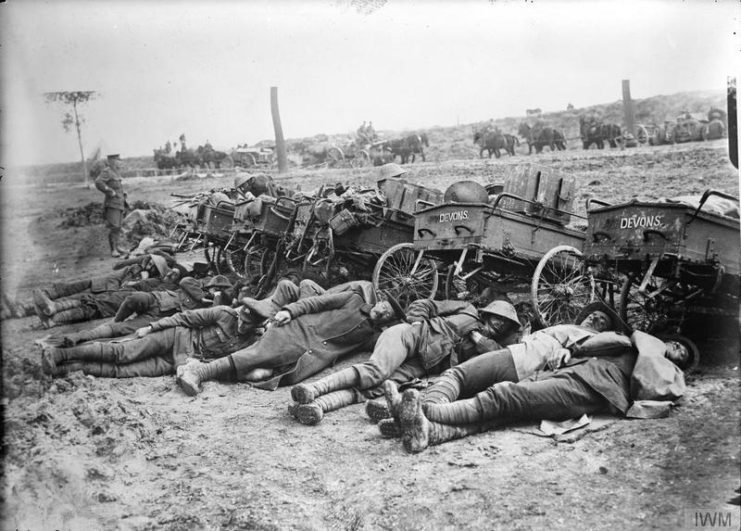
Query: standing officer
[{"x": 109, "y": 182}]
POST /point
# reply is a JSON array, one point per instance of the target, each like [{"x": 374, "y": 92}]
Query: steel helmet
[
  {"x": 502, "y": 309},
  {"x": 466, "y": 192},
  {"x": 219, "y": 281},
  {"x": 391, "y": 170},
  {"x": 240, "y": 180}
]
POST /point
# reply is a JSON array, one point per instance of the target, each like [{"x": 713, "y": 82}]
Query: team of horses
[
  {"x": 407, "y": 147},
  {"x": 202, "y": 157}
]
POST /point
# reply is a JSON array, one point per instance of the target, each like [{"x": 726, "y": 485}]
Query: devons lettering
[
  {"x": 634, "y": 222},
  {"x": 447, "y": 217}
]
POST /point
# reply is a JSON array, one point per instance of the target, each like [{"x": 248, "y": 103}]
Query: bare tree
[{"x": 74, "y": 99}]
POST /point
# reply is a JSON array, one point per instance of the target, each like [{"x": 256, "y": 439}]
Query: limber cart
[
  {"x": 674, "y": 259},
  {"x": 519, "y": 239},
  {"x": 342, "y": 243}
]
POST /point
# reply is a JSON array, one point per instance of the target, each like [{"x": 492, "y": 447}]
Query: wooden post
[
  {"x": 628, "y": 110},
  {"x": 732, "y": 118},
  {"x": 280, "y": 143}
]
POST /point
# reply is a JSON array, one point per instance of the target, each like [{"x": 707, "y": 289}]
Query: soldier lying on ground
[
  {"x": 98, "y": 304},
  {"x": 138, "y": 309},
  {"x": 441, "y": 334},
  {"x": 308, "y": 335},
  {"x": 127, "y": 271},
  {"x": 604, "y": 374},
  {"x": 546, "y": 348},
  {"x": 158, "y": 348}
]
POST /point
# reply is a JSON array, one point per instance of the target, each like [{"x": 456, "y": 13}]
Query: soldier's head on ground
[
  {"x": 218, "y": 283},
  {"x": 681, "y": 351},
  {"x": 499, "y": 318},
  {"x": 387, "y": 309},
  {"x": 600, "y": 317}
]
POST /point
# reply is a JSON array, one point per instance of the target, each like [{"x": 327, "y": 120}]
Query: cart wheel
[
  {"x": 234, "y": 261},
  {"x": 361, "y": 159},
  {"x": 247, "y": 160},
  {"x": 648, "y": 311},
  {"x": 257, "y": 261},
  {"x": 561, "y": 286},
  {"x": 393, "y": 272},
  {"x": 335, "y": 157},
  {"x": 213, "y": 251}
]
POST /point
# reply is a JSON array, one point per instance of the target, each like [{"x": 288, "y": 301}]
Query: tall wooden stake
[
  {"x": 628, "y": 110},
  {"x": 280, "y": 143}
]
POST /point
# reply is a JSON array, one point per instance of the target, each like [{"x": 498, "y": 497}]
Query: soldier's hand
[
  {"x": 141, "y": 332},
  {"x": 558, "y": 358},
  {"x": 111, "y": 193},
  {"x": 281, "y": 318}
]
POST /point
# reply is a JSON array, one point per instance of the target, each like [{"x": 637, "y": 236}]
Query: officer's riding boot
[
  {"x": 113, "y": 244},
  {"x": 344, "y": 379},
  {"x": 99, "y": 332},
  {"x": 193, "y": 373},
  {"x": 417, "y": 432},
  {"x": 313, "y": 412}
]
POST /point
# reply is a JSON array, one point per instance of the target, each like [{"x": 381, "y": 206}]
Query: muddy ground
[{"x": 90, "y": 453}]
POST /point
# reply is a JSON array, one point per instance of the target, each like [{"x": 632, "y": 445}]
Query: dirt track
[{"x": 139, "y": 454}]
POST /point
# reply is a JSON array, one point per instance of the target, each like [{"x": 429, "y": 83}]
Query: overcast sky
[{"x": 205, "y": 68}]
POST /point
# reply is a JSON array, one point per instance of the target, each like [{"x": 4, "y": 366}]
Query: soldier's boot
[
  {"x": 377, "y": 409},
  {"x": 99, "y": 332},
  {"x": 418, "y": 432},
  {"x": 312, "y": 413},
  {"x": 22, "y": 309},
  {"x": 191, "y": 375},
  {"x": 72, "y": 315},
  {"x": 389, "y": 428},
  {"x": 344, "y": 379},
  {"x": 43, "y": 303}
]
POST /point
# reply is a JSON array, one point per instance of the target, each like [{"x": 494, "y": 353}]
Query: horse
[
  {"x": 538, "y": 137},
  {"x": 713, "y": 130},
  {"x": 188, "y": 157},
  {"x": 491, "y": 141},
  {"x": 511, "y": 141},
  {"x": 595, "y": 132},
  {"x": 408, "y": 146},
  {"x": 611, "y": 133},
  {"x": 163, "y": 160},
  {"x": 211, "y": 157}
]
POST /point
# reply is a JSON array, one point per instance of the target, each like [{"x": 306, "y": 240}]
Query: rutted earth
[{"x": 83, "y": 452}]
